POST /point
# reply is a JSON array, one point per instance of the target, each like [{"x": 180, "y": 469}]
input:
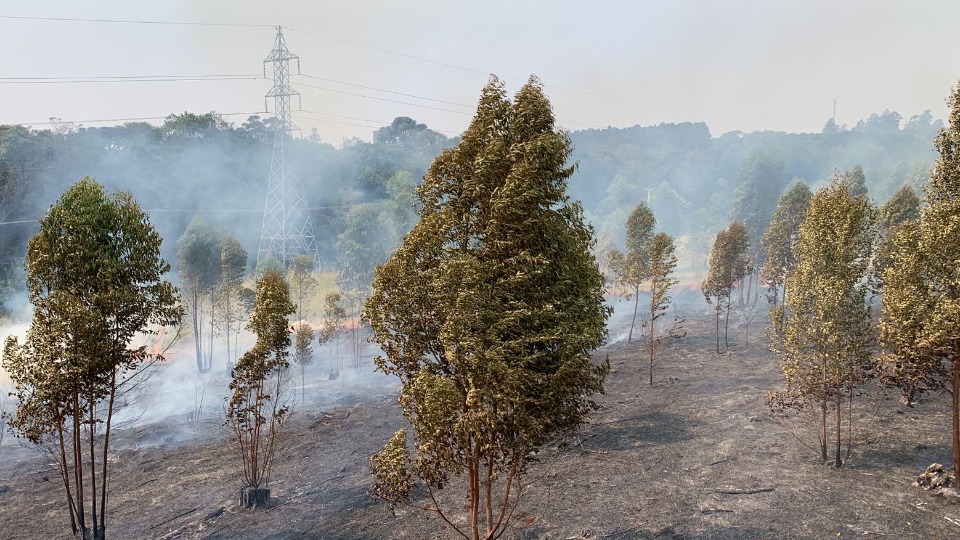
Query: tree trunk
[
  {"x": 726, "y": 329},
  {"x": 955, "y": 405},
  {"x": 838, "y": 462},
  {"x": 254, "y": 497},
  {"x": 636, "y": 303},
  {"x": 823, "y": 426},
  {"x": 718, "y": 324}
]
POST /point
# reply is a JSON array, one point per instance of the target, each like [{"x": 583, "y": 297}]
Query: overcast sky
[{"x": 735, "y": 64}]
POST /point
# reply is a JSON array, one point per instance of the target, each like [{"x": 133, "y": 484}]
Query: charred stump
[{"x": 254, "y": 497}]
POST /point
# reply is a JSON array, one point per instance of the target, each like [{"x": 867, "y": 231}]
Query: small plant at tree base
[{"x": 256, "y": 409}]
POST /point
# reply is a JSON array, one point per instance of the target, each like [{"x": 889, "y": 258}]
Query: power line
[
  {"x": 306, "y": 32},
  {"x": 132, "y": 119},
  {"x": 133, "y": 21},
  {"x": 126, "y": 79},
  {"x": 385, "y": 90},
  {"x": 384, "y": 99},
  {"x": 17, "y": 222}
]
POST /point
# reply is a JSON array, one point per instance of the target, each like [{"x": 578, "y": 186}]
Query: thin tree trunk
[
  {"x": 474, "y": 477},
  {"x": 636, "y": 303},
  {"x": 652, "y": 321},
  {"x": 489, "y": 495},
  {"x": 717, "y": 312},
  {"x": 78, "y": 465},
  {"x": 65, "y": 474},
  {"x": 839, "y": 462},
  {"x": 955, "y": 405},
  {"x": 106, "y": 448},
  {"x": 823, "y": 425},
  {"x": 849, "y": 421},
  {"x": 726, "y": 329},
  {"x": 93, "y": 469}
]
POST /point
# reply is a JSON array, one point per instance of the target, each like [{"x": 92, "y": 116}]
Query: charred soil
[{"x": 696, "y": 456}]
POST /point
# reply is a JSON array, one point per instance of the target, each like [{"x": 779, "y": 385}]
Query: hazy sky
[{"x": 735, "y": 64}]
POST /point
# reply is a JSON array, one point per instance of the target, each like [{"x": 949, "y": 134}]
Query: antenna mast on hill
[{"x": 287, "y": 228}]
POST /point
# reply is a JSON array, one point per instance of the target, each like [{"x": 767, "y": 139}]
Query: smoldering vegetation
[{"x": 361, "y": 199}]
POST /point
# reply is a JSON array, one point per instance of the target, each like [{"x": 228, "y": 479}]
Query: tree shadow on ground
[
  {"x": 917, "y": 457},
  {"x": 649, "y": 428}
]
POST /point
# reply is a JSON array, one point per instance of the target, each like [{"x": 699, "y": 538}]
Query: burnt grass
[{"x": 697, "y": 456}]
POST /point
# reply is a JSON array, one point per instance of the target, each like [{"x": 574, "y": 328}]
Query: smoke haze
[{"x": 738, "y": 65}]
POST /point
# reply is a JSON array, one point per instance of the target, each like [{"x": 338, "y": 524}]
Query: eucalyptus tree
[
  {"x": 758, "y": 185},
  {"x": 780, "y": 259},
  {"x": 488, "y": 313},
  {"x": 826, "y": 349},
  {"x": 920, "y": 326},
  {"x": 257, "y": 406},
  {"x": 199, "y": 266},
  {"x": 663, "y": 262},
  {"x": 304, "y": 283},
  {"x": 729, "y": 263},
  {"x": 95, "y": 279},
  {"x": 233, "y": 269},
  {"x": 903, "y": 207},
  {"x": 334, "y": 316},
  {"x": 778, "y": 240},
  {"x": 632, "y": 268}
]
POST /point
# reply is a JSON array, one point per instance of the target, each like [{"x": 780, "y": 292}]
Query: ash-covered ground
[{"x": 696, "y": 456}]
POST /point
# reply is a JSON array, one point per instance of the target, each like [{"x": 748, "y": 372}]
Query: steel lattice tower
[{"x": 287, "y": 228}]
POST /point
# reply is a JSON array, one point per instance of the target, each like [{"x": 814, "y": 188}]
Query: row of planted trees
[{"x": 857, "y": 293}]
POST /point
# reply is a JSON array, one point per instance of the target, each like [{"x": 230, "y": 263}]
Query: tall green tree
[
  {"x": 827, "y": 344},
  {"x": 903, "y": 207},
  {"x": 780, "y": 259},
  {"x": 488, "y": 313},
  {"x": 334, "y": 315},
  {"x": 95, "y": 279},
  {"x": 257, "y": 407},
  {"x": 663, "y": 261},
  {"x": 729, "y": 263},
  {"x": 632, "y": 268},
  {"x": 779, "y": 239},
  {"x": 199, "y": 266},
  {"x": 233, "y": 269},
  {"x": 760, "y": 180},
  {"x": 920, "y": 327}
]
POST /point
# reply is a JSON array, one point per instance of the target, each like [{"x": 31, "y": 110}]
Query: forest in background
[{"x": 360, "y": 194}]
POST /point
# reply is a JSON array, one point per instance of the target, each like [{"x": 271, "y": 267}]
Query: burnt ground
[{"x": 697, "y": 456}]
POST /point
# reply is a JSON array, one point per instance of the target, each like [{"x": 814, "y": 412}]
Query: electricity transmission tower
[{"x": 287, "y": 228}]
